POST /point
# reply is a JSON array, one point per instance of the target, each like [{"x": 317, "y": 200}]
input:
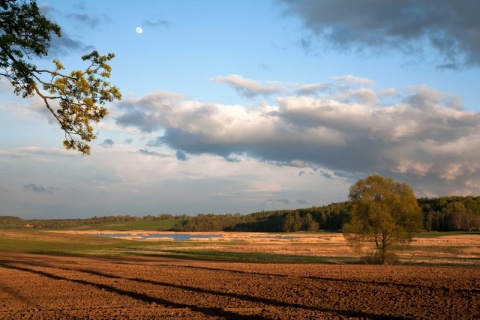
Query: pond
[{"x": 150, "y": 236}]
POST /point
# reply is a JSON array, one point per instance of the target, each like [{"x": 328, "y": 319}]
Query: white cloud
[
  {"x": 312, "y": 88},
  {"x": 412, "y": 134},
  {"x": 428, "y": 97},
  {"x": 36, "y": 152},
  {"x": 249, "y": 88},
  {"x": 351, "y": 79},
  {"x": 143, "y": 112}
]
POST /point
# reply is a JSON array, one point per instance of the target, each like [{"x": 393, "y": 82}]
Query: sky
[{"x": 244, "y": 105}]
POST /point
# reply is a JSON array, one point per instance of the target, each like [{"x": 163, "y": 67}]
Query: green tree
[
  {"x": 384, "y": 212},
  {"x": 309, "y": 223},
  {"x": 75, "y": 99},
  {"x": 288, "y": 223}
]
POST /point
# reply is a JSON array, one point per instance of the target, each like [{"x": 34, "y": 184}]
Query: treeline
[
  {"x": 451, "y": 213},
  {"x": 330, "y": 217},
  {"x": 16, "y": 223},
  {"x": 440, "y": 214}
]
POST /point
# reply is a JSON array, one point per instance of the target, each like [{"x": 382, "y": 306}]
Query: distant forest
[{"x": 452, "y": 213}]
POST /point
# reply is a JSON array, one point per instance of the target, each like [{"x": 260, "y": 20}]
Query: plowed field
[{"x": 52, "y": 287}]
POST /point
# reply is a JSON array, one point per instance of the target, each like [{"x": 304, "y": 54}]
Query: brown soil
[{"x": 52, "y": 287}]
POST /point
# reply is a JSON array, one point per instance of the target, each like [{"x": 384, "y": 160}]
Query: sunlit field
[{"x": 320, "y": 247}]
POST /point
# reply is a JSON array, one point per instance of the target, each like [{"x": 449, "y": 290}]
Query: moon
[{"x": 139, "y": 30}]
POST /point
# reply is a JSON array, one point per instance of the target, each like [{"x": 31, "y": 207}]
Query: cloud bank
[
  {"x": 417, "y": 134},
  {"x": 450, "y": 28}
]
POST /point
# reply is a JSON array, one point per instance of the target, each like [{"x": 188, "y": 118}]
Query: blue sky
[{"x": 243, "y": 106}]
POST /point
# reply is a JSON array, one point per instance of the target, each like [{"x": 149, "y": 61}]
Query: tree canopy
[
  {"x": 75, "y": 99},
  {"x": 384, "y": 212}
]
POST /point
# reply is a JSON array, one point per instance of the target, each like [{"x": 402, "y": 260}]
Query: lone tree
[
  {"x": 385, "y": 213},
  {"x": 74, "y": 99}
]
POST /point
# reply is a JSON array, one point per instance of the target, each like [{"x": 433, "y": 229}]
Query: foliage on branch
[
  {"x": 76, "y": 99},
  {"x": 81, "y": 97}
]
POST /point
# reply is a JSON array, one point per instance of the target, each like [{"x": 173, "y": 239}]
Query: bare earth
[{"x": 52, "y": 287}]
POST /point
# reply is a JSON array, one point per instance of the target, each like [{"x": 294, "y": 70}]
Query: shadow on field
[
  {"x": 140, "y": 296},
  {"x": 26, "y": 266},
  {"x": 379, "y": 283}
]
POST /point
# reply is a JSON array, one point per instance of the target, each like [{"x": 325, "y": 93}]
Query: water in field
[
  {"x": 151, "y": 236},
  {"x": 182, "y": 236}
]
